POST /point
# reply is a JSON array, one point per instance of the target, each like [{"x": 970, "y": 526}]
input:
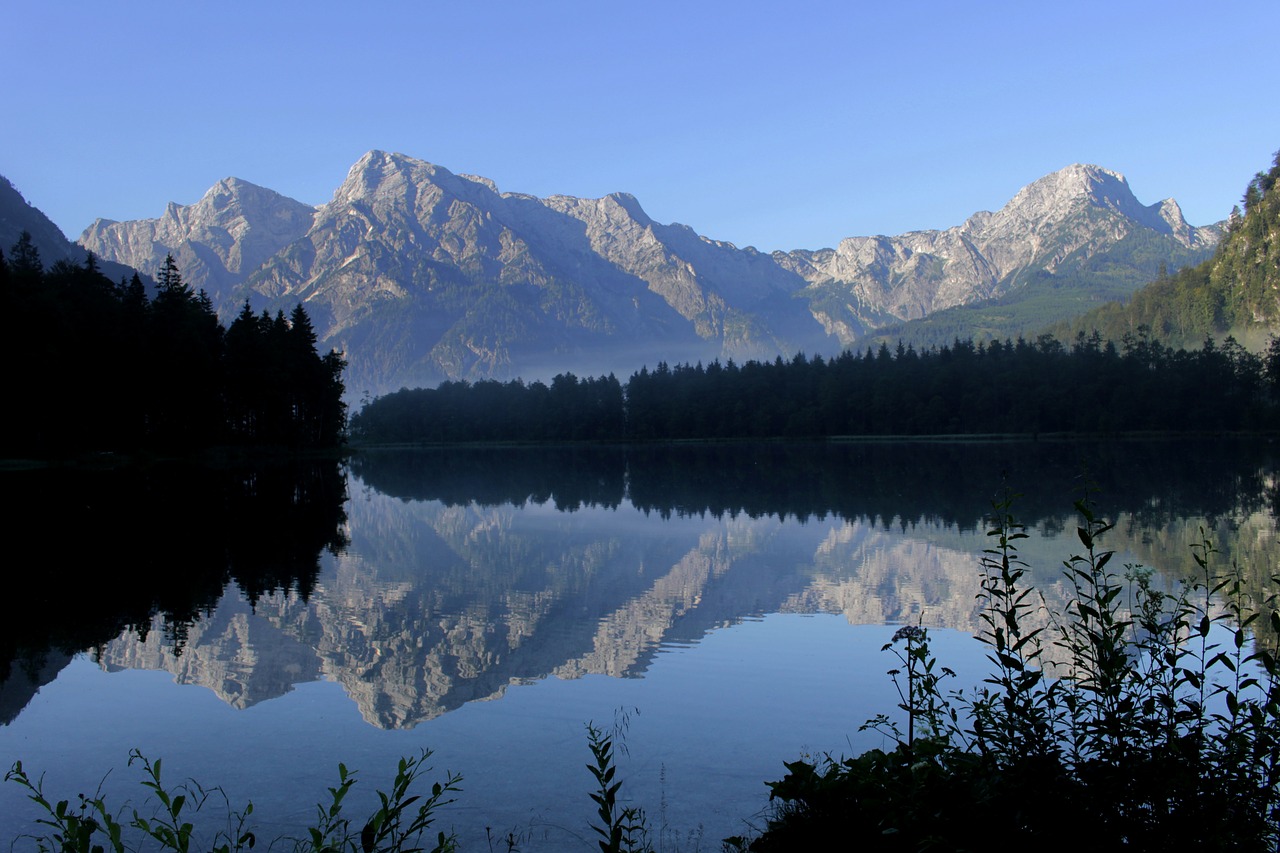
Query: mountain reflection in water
[
  {"x": 449, "y": 576},
  {"x": 439, "y": 600}
]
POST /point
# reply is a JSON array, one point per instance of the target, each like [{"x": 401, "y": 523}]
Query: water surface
[{"x": 725, "y": 607}]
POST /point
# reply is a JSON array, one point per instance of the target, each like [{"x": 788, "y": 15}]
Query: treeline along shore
[{"x": 1089, "y": 386}]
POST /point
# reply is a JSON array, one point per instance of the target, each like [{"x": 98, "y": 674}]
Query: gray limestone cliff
[
  {"x": 218, "y": 241},
  {"x": 420, "y": 275},
  {"x": 1060, "y": 220}
]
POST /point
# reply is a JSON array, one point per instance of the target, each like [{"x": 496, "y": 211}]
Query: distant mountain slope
[
  {"x": 1064, "y": 243},
  {"x": 421, "y": 275},
  {"x": 1236, "y": 291},
  {"x": 17, "y": 215},
  {"x": 1046, "y": 298}
]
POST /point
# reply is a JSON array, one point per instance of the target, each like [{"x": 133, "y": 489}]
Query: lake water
[{"x": 725, "y": 607}]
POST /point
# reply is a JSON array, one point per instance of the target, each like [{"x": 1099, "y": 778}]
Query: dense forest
[
  {"x": 1021, "y": 387},
  {"x": 103, "y": 366}
]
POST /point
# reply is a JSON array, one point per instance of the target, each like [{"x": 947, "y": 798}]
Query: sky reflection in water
[{"x": 741, "y": 643}]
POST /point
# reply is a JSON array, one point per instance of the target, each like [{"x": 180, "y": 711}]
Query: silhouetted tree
[
  {"x": 102, "y": 366},
  {"x": 24, "y": 258}
]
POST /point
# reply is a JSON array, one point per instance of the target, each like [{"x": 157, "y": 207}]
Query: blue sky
[{"x": 778, "y": 128}]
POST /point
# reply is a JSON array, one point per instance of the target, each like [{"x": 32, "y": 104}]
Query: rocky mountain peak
[
  {"x": 609, "y": 213},
  {"x": 232, "y": 230},
  {"x": 232, "y": 203},
  {"x": 1057, "y": 195},
  {"x": 631, "y": 205},
  {"x": 232, "y": 191},
  {"x": 1052, "y": 227},
  {"x": 1079, "y": 188},
  {"x": 421, "y": 274},
  {"x": 377, "y": 173},
  {"x": 385, "y": 182}
]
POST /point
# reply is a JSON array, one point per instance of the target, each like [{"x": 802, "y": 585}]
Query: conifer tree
[
  {"x": 169, "y": 279},
  {"x": 24, "y": 257}
]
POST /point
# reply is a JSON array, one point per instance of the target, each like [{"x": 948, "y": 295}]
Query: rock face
[
  {"x": 217, "y": 241},
  {"x": 421, "y": 275},
  {"x": 1060, "y": 220}
]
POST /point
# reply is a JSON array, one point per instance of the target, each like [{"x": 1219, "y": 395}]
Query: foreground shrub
[
  {"x": 166, "y": 817},
  {"x": 1134, "y": 720}
]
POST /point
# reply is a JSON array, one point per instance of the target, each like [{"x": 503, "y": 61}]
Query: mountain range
[{"x": 421, "y": 275}]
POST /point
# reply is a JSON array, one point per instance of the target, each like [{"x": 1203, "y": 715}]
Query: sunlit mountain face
[{"x": 420, "y": 275}]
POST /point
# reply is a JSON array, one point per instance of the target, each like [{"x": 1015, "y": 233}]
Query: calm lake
[{"x": 724, "y": 607}]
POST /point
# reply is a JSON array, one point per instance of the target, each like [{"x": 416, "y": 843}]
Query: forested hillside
[
  {"x": 101, "y": 366},
  {"x": 1236, "y": 292}
]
